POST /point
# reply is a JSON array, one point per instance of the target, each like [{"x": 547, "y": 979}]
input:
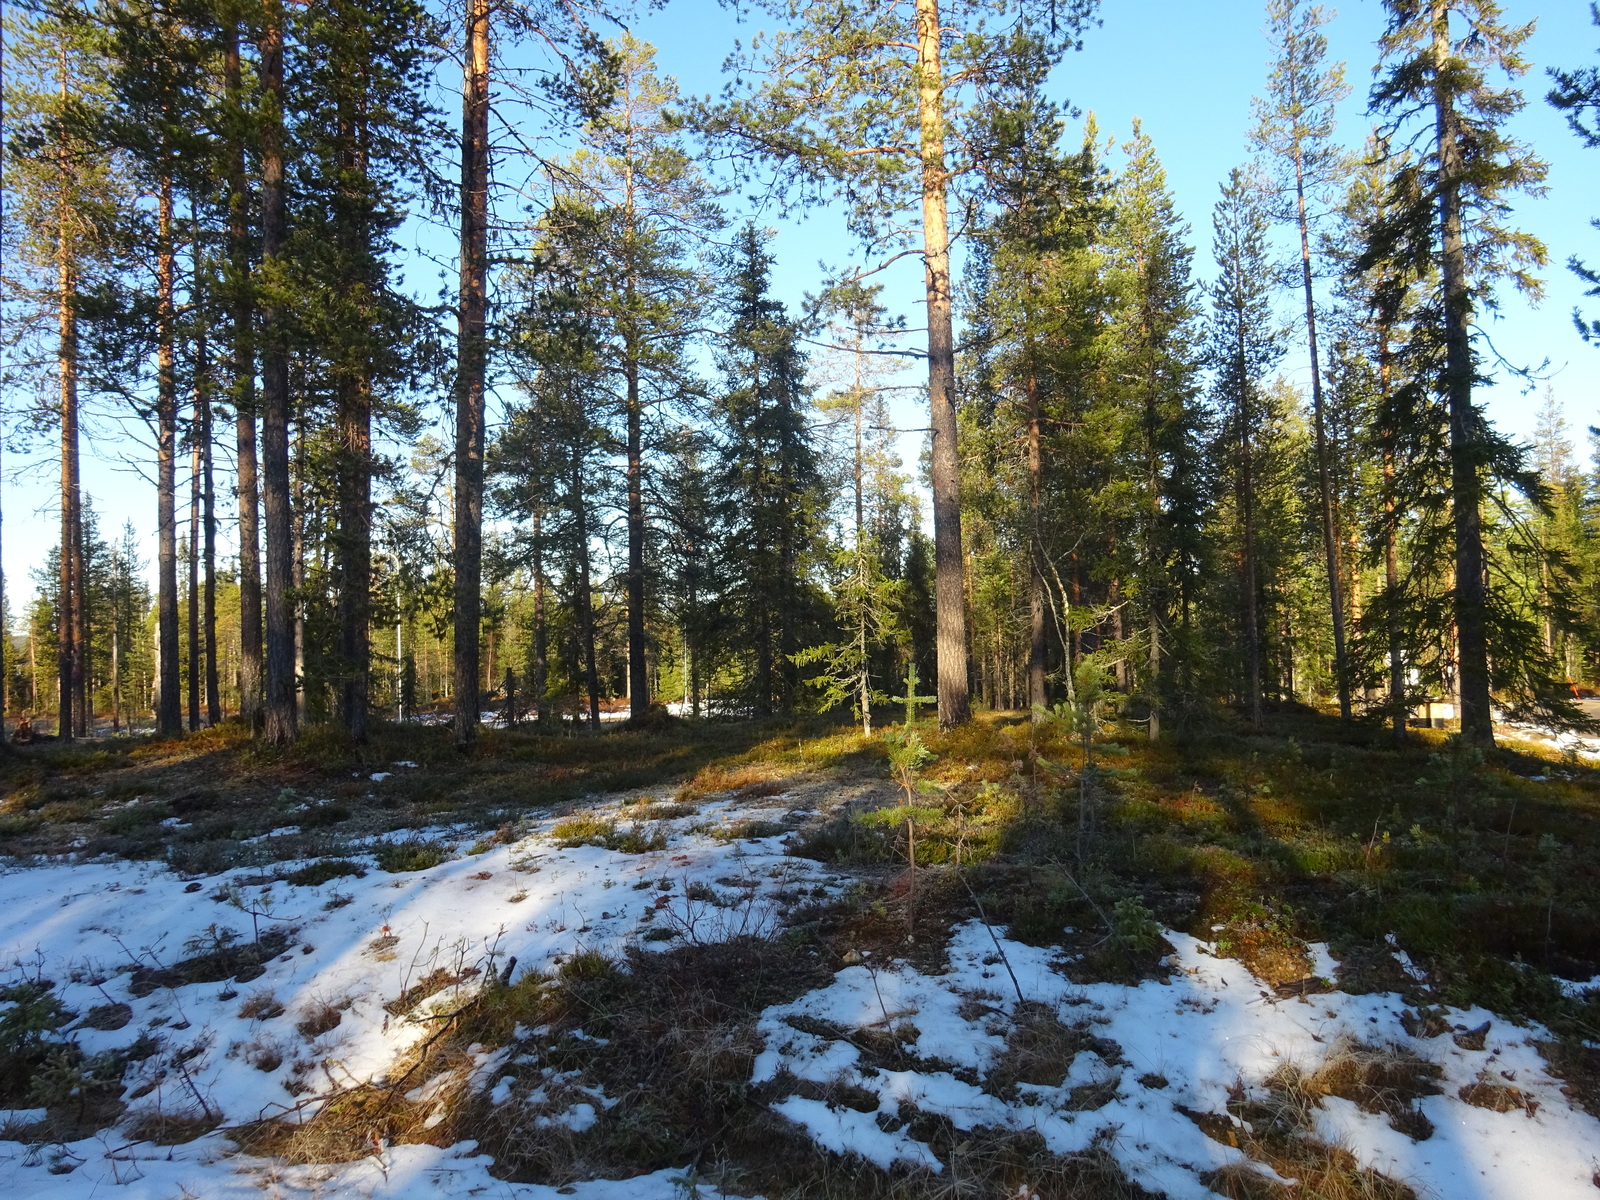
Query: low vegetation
[{"x": 1258, "y": 844}]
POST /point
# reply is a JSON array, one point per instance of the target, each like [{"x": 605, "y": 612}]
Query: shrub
[
  {"x": 415, "y": 854},
  {"x": 319, "y": 872}
]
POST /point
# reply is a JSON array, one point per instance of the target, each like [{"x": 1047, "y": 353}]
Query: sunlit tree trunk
[{"x": 949, "y": 593}]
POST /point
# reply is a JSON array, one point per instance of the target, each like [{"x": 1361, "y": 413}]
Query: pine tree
[
  {"x": 638, "y": 209},
  {"x": 862, "y": 98},
  {"x": 360, "y": 87},
  {"x": 1295, "y": 125},
  {"x": 1444, "y": 215}
]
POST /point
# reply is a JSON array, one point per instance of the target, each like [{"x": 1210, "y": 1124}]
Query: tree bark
[
  {"x": 949, "y": 595},
  {"x": 1466, "y": 488},
  {"x": 193, "y": 614},
  {"x": 281, "y": 718},
  {"x": 471, "y": 368},
  {"x": 354, "y": 545},
  {"x": 67, "y": 365},
  {"x": 169, "y": 715},
  {"x": 540, "y": 673},
  {"x": 580, "y": 519},
  {"x": 1247, "y": 555},
  {"x": 242, "y": 317},
  {"x": 208, "y": 519},
  {"x": 1037, "y": 699},
  {"x": 638, "y": 670}
]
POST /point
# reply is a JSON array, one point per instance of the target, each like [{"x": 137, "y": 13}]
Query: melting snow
[
  {"x": 1213, "y": 1024},
  {"x": 77, "y": 922}
]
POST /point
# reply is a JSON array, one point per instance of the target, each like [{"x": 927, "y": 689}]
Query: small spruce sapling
[
  {"x": 907, "y": 756},
  {"x": 911, "y": 699}
]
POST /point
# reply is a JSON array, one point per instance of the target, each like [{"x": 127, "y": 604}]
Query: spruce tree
[
  {"x": 770, "y": 471},
  {"x": 1156, "y": 335},
  {"x": 1245, "y": 343},
  {"x": 1444, "y": 219}
]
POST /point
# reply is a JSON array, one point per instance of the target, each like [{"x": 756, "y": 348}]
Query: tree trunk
[
  {"x": 281, "y": 718},
  {"x": 540, "y": 674},
  {"x": 1391, "y": 563},
  {"x": 244, "y": 398},
  {"x": 950, "y": 610},
  {"x": 638, "y": 678},
  {"x": 193, "y": 614},
  {"x": 298, "y": 508},
  {"x": 471, "y": 368},
  {"x": 208, "y": 519},
  {"x": 1330, "y": 539},
  {"x": 864, "y": 683},
  {"x": 169, "y": 716},
  {"x": 1466, "y": 488},
  {"x": 82, "y": 689},
  {"x": 354, "y": 544},
  {"x": 580, "y": 519},
  {"x": 67, "y": 361},
  {"x": 1037, "y": 700}
]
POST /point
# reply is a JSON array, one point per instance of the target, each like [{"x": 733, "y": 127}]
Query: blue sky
[{"x": 1188, "y": 69}]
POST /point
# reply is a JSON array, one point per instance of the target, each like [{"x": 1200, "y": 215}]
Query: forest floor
[{"x": 694, "y": 961}]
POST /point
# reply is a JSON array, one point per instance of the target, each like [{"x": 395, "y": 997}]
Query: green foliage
[
  {"x": 413, "y": 854},
  {"x": 29, "y": 1023},
  {"x": 320, "y": 872},
  {"x": 1135, "y": 926}
]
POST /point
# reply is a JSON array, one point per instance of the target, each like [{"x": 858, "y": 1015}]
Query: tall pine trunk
[
  {"x": 863, "y": 612},
  {"x": 949, "y": 595},
  {"x": 354, "y": 543},
  {"x": 208, "y": 536},
  {"x": 355, "y": 555},
  {"x": 1036, "y": 580},
  {"x": 585, "y": 601},
  {"x": 1466, "y": 488},
  {"x": 67, "y": 366},
  {"x": 471, "y": 367},
  {"x": 540, "y": 667},
  {"x": 1391, "y": 558},
  {"x": 193, "y": 614},
  {"x": 281, "y": 718},
  {"x": 242, "y": 317},
  {"x": 169, "y": 712},
  {"x": 638, "y": 678}
]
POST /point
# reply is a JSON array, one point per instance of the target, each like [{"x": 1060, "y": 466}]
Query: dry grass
[
  {"x": 679, "y": 1042},
  {"x": 261, "y": 1005},
  {"x": 169, "y": 1128},
  {"x": 1378, "y": 1079},
  {"x": 1276, "y": 1125},
  {"x": 1040, "y": 1049},
  {"x": 317, "y": 1019},
  {"x": 750, "y": 780}
]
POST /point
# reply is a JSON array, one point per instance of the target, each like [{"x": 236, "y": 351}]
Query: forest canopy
[{"x": 1236, "y": 459}]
